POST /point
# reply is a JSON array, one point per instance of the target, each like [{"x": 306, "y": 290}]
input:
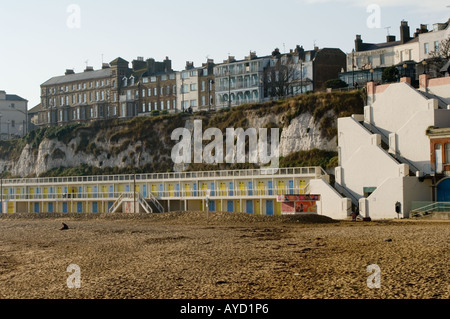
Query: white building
[
  {"x": 240, "y": 82},
  {"x": 430, "y": 41},
  {"x": 409, "y": 50},
  {"x": 13, "y": 116},
  {"x": 195, "y": 87},
  {"x": 384, "y": 155}
]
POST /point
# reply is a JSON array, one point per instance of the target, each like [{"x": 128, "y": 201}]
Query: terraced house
[
  {"x": 82, "y": 97},
  {"x": 196, "y": 87},
  {"x": 150, "y": 87}
]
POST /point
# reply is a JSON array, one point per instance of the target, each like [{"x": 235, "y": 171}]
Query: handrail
[
  {"x": 395, "y": 154},
  {"x": 260, "y": 172},
  {"x": 347, "y": 193}
]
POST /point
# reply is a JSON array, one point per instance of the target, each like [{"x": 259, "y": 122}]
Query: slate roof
[
  {"x": 85, "y": 76},
  {"x": 13, "y": 97}
]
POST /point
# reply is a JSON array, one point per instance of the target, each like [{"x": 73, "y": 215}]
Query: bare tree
[
  {"x": 439, "y": 58},
  {"x": 281, "y": 76}
]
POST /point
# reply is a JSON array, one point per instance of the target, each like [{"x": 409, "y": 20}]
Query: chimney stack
[
  {"x": 68, "y": 72},
  {"x": 358, "y": 43},
  {"x": 390, "y": 38},
  {"x": 89, "y": 69},
  {"x": 404, "y": 32}
]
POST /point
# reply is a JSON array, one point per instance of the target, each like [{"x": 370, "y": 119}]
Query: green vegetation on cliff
[{"x": 152, "y": 135}]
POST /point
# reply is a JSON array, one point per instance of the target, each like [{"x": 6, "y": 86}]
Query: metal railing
[
  {"x": 420, "y": 208},
  {"x": 157, "y": 177}
]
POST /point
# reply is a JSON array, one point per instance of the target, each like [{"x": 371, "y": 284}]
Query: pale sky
[{"x": 41, "y": 39}]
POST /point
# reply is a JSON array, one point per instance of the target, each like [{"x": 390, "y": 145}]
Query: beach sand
[{"x": 230, "y": 256}]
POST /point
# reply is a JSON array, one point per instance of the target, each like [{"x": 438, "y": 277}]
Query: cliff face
[{"x": 144, "y": 144}]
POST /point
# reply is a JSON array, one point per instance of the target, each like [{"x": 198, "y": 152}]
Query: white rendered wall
[
  {"x": 402, "y": 110},
  {"x": 370, "y": 166},
  {"x": 332, "y": 204},
  {"x": 381, "y": 204},
  {"x": 351, "y": 135},
  {"x": 415, "y": 191}
]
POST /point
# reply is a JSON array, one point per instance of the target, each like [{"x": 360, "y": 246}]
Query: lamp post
[
  {"x": 371, "y": 75},
  {"x": 353, "y": 67},
  {"x": 301, "y": 77},
  {"x": 424, "y": 64},
  {"x": 404, "y": 69},
  {"x": 229, "y": 87}
]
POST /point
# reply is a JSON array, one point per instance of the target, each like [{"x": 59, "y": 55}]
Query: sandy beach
[{"x": 230, "y": 256}]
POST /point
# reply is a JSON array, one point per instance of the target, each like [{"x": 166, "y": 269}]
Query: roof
[
  {"x": 13, "y": 97},
  {"x": 35, "y": 109},
  {"x": 117, "y": 61},
  {"x": 90, "y": 75},
  {"x": 384, "y": 45}
]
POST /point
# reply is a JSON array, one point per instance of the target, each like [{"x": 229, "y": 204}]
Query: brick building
[{"x": 82, "y": 97}]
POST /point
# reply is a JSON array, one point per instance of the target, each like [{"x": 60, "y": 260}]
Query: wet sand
[{"x": 231, "y": 256}]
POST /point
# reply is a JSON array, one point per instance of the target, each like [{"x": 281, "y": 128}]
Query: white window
[
  {"x": 172, "y": 76},
  {"x": 164, "y": 77},
  {"x": 203, "y": 100},
  {"x": 194, "y": 87},
  {"x": 149, "y": 91},
  {"x": 193, "y": 103},
  {"x": 436, "y": 46},
  {"x": 174, "y": 104},
  {"x": 168, "y": 105},
  {"x": 162, "y": 91},
  {"x": 84, "y": 98},
  {"x": 193, "y": 73},
  {"x": 115, "y": 97},
  {"x": 149, "y": 107},
  {"x": 426, "y": 48},
  {"x": 155, "y": 91},
  {"x": 144, "y": 80},
  {"x": 143, "y": 93},
  {"x": 97, "y": 96},
  {"x": 103, "y": 95},
  {"x": 162, "y": 105},
  {"x": 153, "y": 79},
  {"x": 203, "y": 86}
]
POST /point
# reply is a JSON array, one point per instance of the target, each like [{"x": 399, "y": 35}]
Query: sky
[{"x": 41, "y": 39}]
